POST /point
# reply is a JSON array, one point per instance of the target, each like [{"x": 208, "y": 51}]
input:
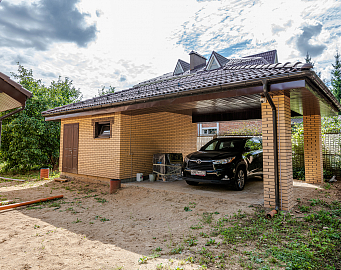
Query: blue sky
[{"x": 121, "y": 43}]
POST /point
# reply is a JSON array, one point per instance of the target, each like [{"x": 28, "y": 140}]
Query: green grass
[
  {"x": 100, "y": 200},
  {"x": 251, "y": 241},
  {"x": 30, "y": 175}
]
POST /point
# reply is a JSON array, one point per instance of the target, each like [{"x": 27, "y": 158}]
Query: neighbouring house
[
  {"x": 115, "y": 136},
  {"x": 229, "y": 127},
  {"x": 12, "y": 96}
]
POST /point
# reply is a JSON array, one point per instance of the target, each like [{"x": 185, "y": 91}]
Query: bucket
[
  {"x": 115, "y": 184},
  {"x": 44, "y": 173},
  {"x": 151, "y": 177},
  {"x": 139, "y": 177}
]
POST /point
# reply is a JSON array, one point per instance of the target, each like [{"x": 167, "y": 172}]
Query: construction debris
[
  {"x": 6, "y": 202},
  {"x": 14, "y": 205},
  {"x": 333, "y": 179},
  {"x": 60, "y": 180},
  {"x": 11, "y": 179}
]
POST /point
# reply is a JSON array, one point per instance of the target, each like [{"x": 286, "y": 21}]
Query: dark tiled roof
[
  {"x": 246, "y": 61},
  {"x": 15, "y": 84},
  {"x": 269, "y": 56},
  {"x": 168, "y": 84},
  {"x": 185, "y": 66}
]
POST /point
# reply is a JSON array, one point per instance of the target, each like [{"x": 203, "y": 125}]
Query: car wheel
[
  {"x": 240, "y": 179},
  {"x": 192, "y": 183}
]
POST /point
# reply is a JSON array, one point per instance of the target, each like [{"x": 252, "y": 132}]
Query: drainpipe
[
  {"x": 7, "y": 115},
  {"x": 266, "y": 87}
]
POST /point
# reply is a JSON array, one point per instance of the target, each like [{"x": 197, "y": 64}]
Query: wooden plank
[
  {"x": 60, "y": 180},
  {"x": 11, "y": 179}
]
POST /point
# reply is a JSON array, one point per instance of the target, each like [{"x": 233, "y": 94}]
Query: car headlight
[
  {"x": 223, "y": 161},
  {"x": 186, "y": 160}
]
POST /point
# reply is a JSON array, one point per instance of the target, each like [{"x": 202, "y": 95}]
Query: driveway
[{"x": 252, "y": 193}]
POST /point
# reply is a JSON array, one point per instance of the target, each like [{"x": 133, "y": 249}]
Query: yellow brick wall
[
  {"x": 313, "y": 161},
  {"x": 282, "y": 103},
  {"x": 135, "y": 138},
  {"x": 96, "y": 157},
  {"x": 150, "y": 134}
]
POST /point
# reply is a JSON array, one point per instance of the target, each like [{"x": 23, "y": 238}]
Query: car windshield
[{"x": 228, "y": 145}]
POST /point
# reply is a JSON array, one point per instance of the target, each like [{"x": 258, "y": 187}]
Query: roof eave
[
  {"x": 219, "y": 87},
  {"x": 325, "y": 90}
]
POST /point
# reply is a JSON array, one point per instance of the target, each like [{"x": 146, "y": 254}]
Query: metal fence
[{"x": 331, "y": 154}]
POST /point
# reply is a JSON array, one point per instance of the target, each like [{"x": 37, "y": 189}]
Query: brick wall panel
[
  {"x": 282, "y": 104},
  {"x": 313, "y": 149}
]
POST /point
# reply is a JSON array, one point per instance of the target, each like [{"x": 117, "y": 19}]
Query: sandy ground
[{"x": 91, "y": 229}]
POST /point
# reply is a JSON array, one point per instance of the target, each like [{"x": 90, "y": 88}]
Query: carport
[
  {"x": 160, "y": 115},
  {"x": 12, "y": 96}
]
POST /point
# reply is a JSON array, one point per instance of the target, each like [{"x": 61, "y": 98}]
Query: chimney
[{"x": 196, "y": 60}]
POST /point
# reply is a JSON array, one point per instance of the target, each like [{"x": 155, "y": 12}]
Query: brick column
[
  {"x": 282, "y": 103},
  {"x": 313, "y": 161}
]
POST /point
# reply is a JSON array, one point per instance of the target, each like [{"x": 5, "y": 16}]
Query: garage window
[{"x": 102, "y": 130}]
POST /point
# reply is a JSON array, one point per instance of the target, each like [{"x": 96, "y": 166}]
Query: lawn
[{"x": 141, "y": 228}]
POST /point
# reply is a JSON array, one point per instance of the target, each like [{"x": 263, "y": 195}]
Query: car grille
[{"x": 203, "y": 166}]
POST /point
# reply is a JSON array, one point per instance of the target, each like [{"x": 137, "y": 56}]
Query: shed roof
[{"x": 12, "y": 94}]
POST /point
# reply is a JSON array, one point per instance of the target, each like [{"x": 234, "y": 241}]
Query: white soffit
[{"x": 8, "y": 103}]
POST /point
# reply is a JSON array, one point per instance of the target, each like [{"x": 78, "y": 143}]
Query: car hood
[{"x": 211, "y": 155}]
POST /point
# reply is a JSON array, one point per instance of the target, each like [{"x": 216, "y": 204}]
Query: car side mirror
[{"x": 247, "y": 149}]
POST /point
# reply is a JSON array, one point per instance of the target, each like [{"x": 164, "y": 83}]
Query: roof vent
[{"x": 196, "y": 60}]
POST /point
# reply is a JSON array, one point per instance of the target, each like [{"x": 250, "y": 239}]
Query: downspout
[
  {"x": 275, "y": 147},
  {"x": 7, "y": 115}
]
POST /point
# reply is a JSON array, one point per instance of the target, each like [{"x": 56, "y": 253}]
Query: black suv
[{"x": 225, "y": 160}]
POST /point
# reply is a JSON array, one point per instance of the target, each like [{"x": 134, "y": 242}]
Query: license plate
[{"x": 199, "y": 173}]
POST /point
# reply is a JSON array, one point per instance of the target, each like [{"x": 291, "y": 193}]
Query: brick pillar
[
  {"x": 282, "y": 103},
  {"x": 313, "y": 161}
]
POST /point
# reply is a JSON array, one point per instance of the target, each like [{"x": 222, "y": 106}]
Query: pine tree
[
  {"x": 336, "y": 77},
  {"x": 308, "y": 61}
]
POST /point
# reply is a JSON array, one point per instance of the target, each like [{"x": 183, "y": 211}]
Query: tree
[
  {"x": 308, "y": 61},
  {"x": 28, "y": 141},
  {"x": 103, "y": 91},
  {"x": 336, "y": 77}
]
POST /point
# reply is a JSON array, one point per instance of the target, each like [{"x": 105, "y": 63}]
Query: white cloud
[{"x": 138, "y": 40}]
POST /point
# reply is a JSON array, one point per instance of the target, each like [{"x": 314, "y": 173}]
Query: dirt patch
[{"x": 91, "y": 229}]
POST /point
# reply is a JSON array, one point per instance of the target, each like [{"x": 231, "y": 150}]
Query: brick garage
[
  {"x": 161, "y": 115},
  {"x": 130, "y": 149}
]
